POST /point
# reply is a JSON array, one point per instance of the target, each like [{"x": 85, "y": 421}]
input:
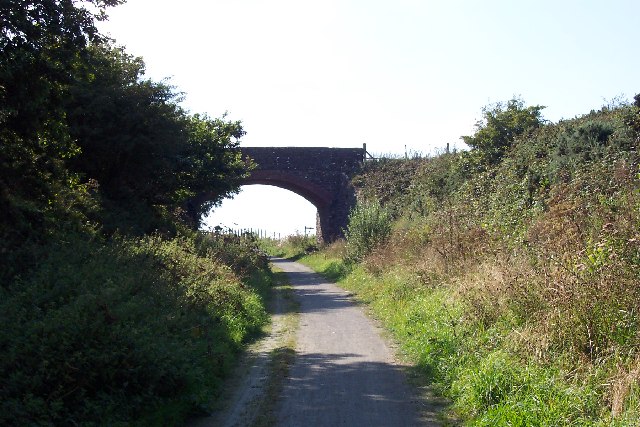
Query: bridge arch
[
  {"x": 319, "y": 174},
  {"x": 315, "y": 194}
]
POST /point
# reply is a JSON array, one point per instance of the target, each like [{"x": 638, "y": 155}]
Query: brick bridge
[{"x": 320, "y": 175}]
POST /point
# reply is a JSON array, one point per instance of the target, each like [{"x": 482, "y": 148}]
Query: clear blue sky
[{"x": 389, "y": 73}]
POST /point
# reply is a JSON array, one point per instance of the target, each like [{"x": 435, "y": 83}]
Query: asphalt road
[{"x": 344, "y": 373}]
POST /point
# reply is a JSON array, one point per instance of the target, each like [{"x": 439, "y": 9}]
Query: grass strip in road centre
[{"x": 283, "y": 355}]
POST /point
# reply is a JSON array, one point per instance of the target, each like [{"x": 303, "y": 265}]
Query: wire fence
[{"x": 258, "y": 232}]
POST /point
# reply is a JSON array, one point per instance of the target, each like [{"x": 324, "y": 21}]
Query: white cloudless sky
[{"x": 391, "y": 74}]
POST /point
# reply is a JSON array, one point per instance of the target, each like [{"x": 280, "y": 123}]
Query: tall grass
[
  {"x": 369, "y": 226},
  {"x": 514, "y": 287}
]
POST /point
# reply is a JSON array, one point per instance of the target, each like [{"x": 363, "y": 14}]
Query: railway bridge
[{"x": 321, "y": 175}]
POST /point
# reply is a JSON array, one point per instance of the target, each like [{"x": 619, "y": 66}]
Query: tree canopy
[
  {"x": 88, "y": 139},
  {"x": 501, "y": 125}
]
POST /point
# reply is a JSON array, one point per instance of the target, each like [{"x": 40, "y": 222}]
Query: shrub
[
  {"x": 241, "y": 253},
  {"x": 387, "y": 181},
  {"x": 300, "y": 244},
  {"x": 500, "y": 127},
  {"x": 293, "y": 247},
  {"x": 369, "y": 226},
  {"x": 110, "y": 332}
]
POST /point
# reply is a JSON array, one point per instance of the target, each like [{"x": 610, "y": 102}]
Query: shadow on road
[
  {"x": 343, "y": 372},
  {"x": 309, "y": 289},
  {"x": 341, "y": 389}
]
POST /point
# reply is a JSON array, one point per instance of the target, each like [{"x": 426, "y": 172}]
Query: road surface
[{"x": 344, "y": 373}]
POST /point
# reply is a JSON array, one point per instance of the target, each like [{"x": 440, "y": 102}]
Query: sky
[{"x": 400, "y": 76}]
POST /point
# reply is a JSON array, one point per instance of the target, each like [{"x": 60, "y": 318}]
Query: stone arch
[
  {"x": 316, "y": 195},
  {"x": 321, "y": 175}
]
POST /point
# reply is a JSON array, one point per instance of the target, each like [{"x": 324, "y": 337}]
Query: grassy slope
[
  {"x": 514, "y": 288},
  {"x": 122, "y": 331}
]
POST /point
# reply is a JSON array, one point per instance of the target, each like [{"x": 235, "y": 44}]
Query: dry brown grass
[
  {"x": 622, "y": 385},
  {"x": 337, "y": 249}
]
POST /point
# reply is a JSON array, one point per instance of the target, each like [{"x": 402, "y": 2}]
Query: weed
[
  {"x": 369, "y": 226},
  {"x": 513, "y": 286}
]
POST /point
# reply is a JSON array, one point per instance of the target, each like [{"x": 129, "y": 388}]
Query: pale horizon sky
[{"x": 386, "y": 73}]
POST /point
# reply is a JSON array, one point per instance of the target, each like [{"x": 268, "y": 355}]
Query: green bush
[
  {"x": 112, "y": 332},
  {"x": 241, "y": 253},
  {"x": 502, "y": 124},
  {"x": 387, "y": 181},
  {"x": 369, "y": 226},
  {"x": 299, "y": 244},
  {"x": 293, "y": 247},
  {"x": 119, "y": 331}
]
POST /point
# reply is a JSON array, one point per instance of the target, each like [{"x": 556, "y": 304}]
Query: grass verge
[
  {"x": 251, "y": 393},
  {"x": 283, "y": 355},
  {"x": 483, "y": 370}
]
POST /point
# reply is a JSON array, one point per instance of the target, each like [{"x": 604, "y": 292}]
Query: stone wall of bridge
[{"x": 319, "y": 174}]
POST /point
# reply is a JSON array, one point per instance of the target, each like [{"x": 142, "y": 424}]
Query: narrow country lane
[{"x": 344, "y": 374}]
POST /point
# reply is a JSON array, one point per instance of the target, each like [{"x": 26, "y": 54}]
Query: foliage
[
  {"x": 212, "y": 165},
  {"x": 103, "y": 327},
  {"x": 89, "y": 144},
  {"x": 39, "y": 196},
  {"x": 513, "y": 285},
  {"x": 386, "y": 180},
  {"x": 111, "y": 331},
  {"x": 241, "y": 253},
  {"x": 415, "y": 186},
  {"x": 500, "y": 127},
  {"x": 293, "y": 247},
  {"x": 34, "y": 24},
  {"x": 143, "y": 150},
  {"x": 369, "y": 226}
]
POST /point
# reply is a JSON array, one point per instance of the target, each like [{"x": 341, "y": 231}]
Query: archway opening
[{"x": 265, "y": 209}]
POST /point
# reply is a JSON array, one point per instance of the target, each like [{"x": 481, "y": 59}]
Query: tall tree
[
  {"x": 40, "y": 41},
  {"x": 146, "y": 153},
  {"x": 85, "y": 136}
]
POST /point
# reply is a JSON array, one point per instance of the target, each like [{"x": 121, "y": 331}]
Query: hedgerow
[
  {"x": 104, "y": 321},
  {"x": 110, "y": 332}
]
